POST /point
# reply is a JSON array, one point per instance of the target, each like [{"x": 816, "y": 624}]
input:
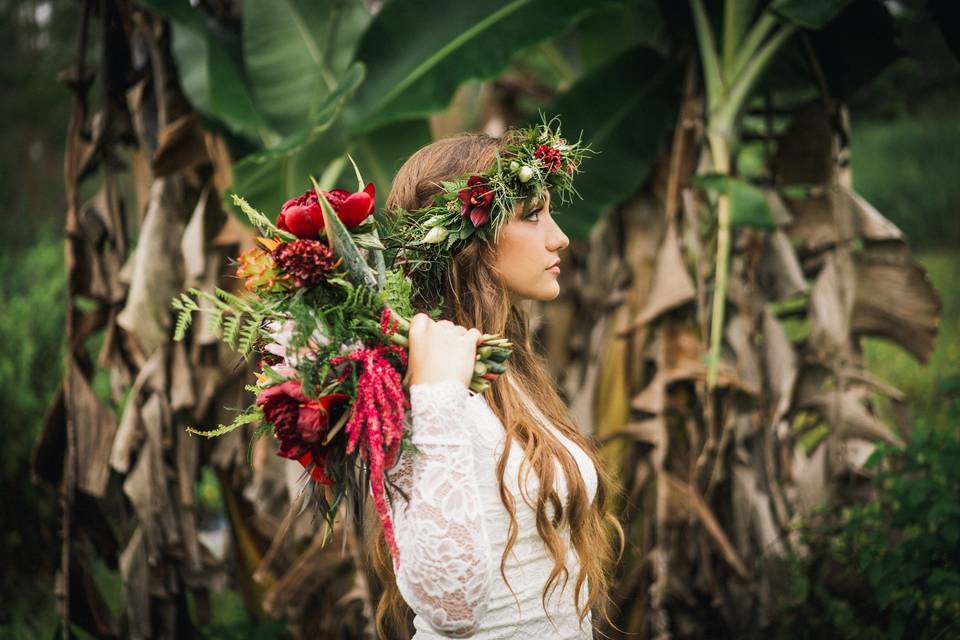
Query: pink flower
[
  {"x": 475, "y": 200},
  {"x": 282, "y": 334}
]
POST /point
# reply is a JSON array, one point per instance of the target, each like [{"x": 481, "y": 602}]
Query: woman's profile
[{"x": 484, "y": 551}]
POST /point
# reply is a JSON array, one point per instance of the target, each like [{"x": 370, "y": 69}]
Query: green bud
[{"x": 437, "y": 234}]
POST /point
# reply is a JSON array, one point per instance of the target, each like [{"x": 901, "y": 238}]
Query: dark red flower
[
  {"x": 475, "y": 200},
  {"x": 307, "y": 261},
  {"x": 549, "y": 156},
  {"x": 303, "y": 217},
  {"x": 298, "y": 422}
]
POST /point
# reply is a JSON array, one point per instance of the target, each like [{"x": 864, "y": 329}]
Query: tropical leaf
[
  {"x": 380, "y": 153},
  {"x": 294, "y": 64},
  {"x": 413, "y": 73},
  {"x": 810, "y": 14},
  {"x": 748, "y": 205},
  {"x": 624, "y": 109},
  {"x": 210, "y": 67},
  {"x": 270, "y": 177}
]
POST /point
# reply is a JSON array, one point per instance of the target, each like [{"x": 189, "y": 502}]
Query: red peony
[
  {"x": 475, "y": 200},
  {"x": 352, "y": 208},
  {"x": 549, "y": 156},
  {"x": 303, "y": 217},
  {"x": 298, "y": 422}
]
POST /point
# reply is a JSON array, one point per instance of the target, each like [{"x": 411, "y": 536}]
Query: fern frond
[
  {"x": 239, "y": 421},
  {"x": 249, "y": 333},
  {"x": 230, "y": 325}
]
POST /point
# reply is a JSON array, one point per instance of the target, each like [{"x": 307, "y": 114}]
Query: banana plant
[{"x": 731, "y": 70}]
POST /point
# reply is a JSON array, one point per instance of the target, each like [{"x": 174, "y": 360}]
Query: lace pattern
[{"x": 445, "y": 570}]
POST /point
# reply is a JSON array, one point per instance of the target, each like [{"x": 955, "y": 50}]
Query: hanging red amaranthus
[{"x": 376, "y": 424}]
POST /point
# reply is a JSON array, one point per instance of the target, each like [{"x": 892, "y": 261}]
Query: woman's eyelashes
[{"x": 535, "y": 212}]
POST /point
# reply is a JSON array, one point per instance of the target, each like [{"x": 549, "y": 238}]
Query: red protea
[
  {"x": 307, "y": 261},
  {"x": 376, "y": 424},
  {"x": 549, "y": 156}
]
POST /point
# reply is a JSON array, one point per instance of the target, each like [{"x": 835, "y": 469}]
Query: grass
[
  {"x": 907, "y": 170},
  {"x": 921, "y": 382}
]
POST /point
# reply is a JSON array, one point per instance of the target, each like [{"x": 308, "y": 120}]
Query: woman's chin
[{"x": 549, "y": 291}]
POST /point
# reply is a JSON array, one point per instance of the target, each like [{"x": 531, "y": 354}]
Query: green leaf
[
  {"x": 294, "y": 53},
  {"x": 271, "y": 177},
  {"x": 368, "y": 241},
  {"x": 210, "y": 67},
  {"x": 381, "y": 152},
  {"x": 605, "y": 34},
  {"x": 810, "y": 14},
  {"x": 413, "y": 72},
  {"x": 624, "y": 109},
  {"x": 748, "y": 205}
]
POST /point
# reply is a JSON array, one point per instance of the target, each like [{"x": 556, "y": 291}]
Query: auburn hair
[{"x": 473, "y": 295}]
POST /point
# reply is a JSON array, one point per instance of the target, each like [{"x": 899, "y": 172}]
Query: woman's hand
[{"x": 440, "y": 351}]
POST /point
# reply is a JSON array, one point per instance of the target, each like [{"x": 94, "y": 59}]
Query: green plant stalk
[
  {"x": 721, "y": 160},
  {"x": 728, "y": 88}
]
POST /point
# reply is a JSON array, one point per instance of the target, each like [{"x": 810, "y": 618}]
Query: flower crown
[{"x": 476, "y": 206}]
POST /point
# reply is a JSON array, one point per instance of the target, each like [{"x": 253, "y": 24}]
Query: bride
[{"x": 484, "y": 552}]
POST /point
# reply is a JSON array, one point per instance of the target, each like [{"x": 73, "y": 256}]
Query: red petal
[
  {"x": 479, "y": 216},
  {"x": 336, "y": 197},
  {"x": 355, "y": 209},
  {"x": 371, "y": 191},
  {"x": 301, "y": 223}
]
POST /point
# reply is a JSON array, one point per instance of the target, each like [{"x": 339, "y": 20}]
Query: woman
[{"x": 479, "y": 556}]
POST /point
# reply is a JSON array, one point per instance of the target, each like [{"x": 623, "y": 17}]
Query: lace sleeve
[{"x": 444, "y": 572}]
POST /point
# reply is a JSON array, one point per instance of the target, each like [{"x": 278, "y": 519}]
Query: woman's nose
[{"x": 558, "y": 240}]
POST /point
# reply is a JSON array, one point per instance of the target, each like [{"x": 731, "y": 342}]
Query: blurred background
[{"x": 759, "y": 324}]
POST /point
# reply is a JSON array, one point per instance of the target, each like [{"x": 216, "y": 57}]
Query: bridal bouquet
[{"x": 326, "y": 308}]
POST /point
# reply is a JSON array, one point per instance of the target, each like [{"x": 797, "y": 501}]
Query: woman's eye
[{"x": 535, "y": 212}]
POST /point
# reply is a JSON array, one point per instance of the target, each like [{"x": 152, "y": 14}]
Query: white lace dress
[{"x": 452, "y": 533}]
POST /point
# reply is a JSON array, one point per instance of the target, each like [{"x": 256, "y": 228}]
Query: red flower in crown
[
  {"x": 549, "y": 156},
  {"x": 475, "y": 200},
  {"x": 303, "y": 217}
]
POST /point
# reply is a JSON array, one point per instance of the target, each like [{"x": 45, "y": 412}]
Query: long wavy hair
[{"x": 474, "y": 296}]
